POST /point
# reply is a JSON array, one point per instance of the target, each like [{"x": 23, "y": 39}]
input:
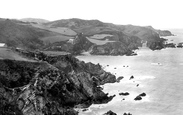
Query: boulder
[
  {"x": 132, "y": 77},
  {"x": 138, "y": 98},
  {"x": 127, "y": 114},
  {"x": 119, "y": 79},
  {"x": 124, "y": 94},
  {"x": 110, "y": 113},
  {"x": 142, "y": 94}
]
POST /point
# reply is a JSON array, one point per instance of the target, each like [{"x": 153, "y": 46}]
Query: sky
[{"x": 160, "y": 14}]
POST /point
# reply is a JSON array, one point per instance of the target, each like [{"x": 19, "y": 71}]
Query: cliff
[
  {"x": 164, "y": 33},
  {"x": 51, "y": 85}
]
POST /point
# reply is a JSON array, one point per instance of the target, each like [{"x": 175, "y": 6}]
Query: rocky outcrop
[
  {"x": 139, "y": 97},
  {"x": 51, "y": 85},
  {"x": 180, "y": 45},
  {"x": 127, "y": 114},
  {"x": 156, "y": 44},
  {"x": 119, "y": 79},
  {"x": 111, "y": 48},
  {"x": 164, "y": 33},
  {"x": 170, "y": 45},
  {"x": 110, "y": 113},
  {"x": 124, "y": 94},
  {"x": 74, "y": 46}
]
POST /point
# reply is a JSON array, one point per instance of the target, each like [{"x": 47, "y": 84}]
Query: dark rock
[
  {"x": 132, "y": 77},
  {"x": 142, "y": 94},
  {"x": 170, "y": 45},
  {"x": 127, "y": 114},
  {"x": 85, "y": 110},
  {"x": 110, "y": 113},
  {"x": 137, "y": 85},
  {"x": 119, "y": 79},
  {"x": 124, "y": 94},
  {"x": 180, "y": 45},
  {"x": 52, "y": 85},
  {"x": 138, "y": 98},
  {"x": 112, "y": 48}
]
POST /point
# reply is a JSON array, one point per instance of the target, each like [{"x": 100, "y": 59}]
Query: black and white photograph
[{"x": 91, "y": 57}]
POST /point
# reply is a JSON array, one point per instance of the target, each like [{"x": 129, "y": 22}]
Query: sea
[{"x": 158, "y": 74}]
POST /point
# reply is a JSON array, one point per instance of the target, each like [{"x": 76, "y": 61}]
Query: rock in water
[
  {"x": 127, "y": 114},
  {"x": 110, "y": 113},
  {"x": 132, "y": 77},
  {"x": 142, "y": 94},
  {"x": 138, "y": 98},
  {"x": 119, "y": 79},
  {"x": 124, "y": 94}
]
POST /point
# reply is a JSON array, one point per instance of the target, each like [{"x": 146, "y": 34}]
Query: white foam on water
[
  {"x": 156, "y": 64},
  {"x": 144, "y": 77}
]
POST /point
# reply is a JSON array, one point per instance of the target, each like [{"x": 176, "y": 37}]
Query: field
[
  {"x": 60, "y": 30},
  {"x": 55, "y": 53},
  {"x": 100, "y": 36},
  {"x": 58, "y": 38},
  {"x": 6, "y": 53},
  {"x": 99, "y": 42}
]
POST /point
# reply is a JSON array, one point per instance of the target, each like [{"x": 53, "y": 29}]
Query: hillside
[
  {"x": 93, "y": 36},
  {"x": 95, "y": 27},
  {"x": 19, "y": 34},
  {"x": 34, "y": 20},
  {"x": 50, "y": 85}
]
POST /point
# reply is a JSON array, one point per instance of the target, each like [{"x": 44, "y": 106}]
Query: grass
[
  {"x": 60, "y": 30},
  {"x": 55, "y": 53},
  {"x": 58, "y": 38},
  {"x": 6, "y": 53},
  {"x": 64, "y": 31},
  {"x": 99, "y": 42},
  {"x": 100, "y": 36}
]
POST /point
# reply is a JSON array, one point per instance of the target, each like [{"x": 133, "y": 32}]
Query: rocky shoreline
[{"x": 50, "y": 85}]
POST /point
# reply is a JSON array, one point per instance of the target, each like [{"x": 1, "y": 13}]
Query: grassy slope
[
  {"x": 6, "y": 53},
  {"x": 19, "y": 34},
  {"x": 57, "y": 38},
  {"x": 15, "y": 34}
]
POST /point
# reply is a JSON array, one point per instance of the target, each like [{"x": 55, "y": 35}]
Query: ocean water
[{"x": 159, "y": 74}]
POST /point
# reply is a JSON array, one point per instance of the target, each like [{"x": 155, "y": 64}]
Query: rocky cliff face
[
  {"x": 75, "y": 46},
  {"x": 52, "y": 85},
  {"x": 164, "y": 33},
  {"x": 123, "y": 45},
  {"x": 112, "y": 48}
]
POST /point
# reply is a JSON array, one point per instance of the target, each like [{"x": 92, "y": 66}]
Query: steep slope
[
  {"x": 161, "y": 32},
  {"x": 77, "y": 36},
  {"x": 52, "y": 85},
  {"x": 146, "y": 34},
  {"x": 76, "y": 46},
  {"x": 16, "y": 34},
  {"x": 94, "y": 27},
  {"x": 74, "y": 23}
]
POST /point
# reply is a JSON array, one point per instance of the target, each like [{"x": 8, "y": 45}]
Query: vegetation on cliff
[{"x": 50, "y": 85}]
